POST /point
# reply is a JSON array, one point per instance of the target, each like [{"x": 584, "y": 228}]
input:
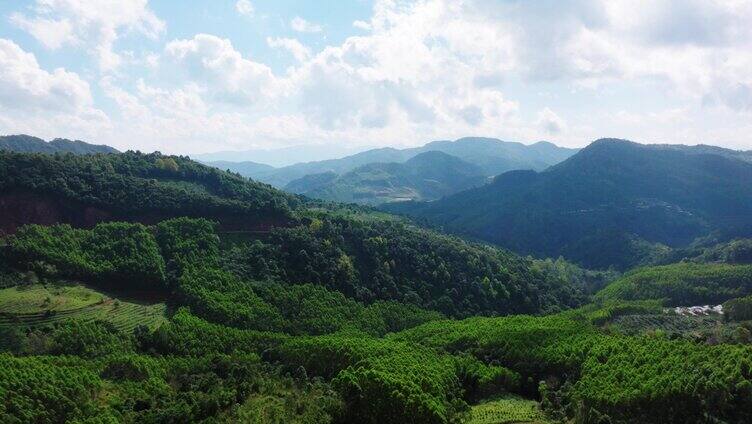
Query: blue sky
[{"x": 203, "y": 76}]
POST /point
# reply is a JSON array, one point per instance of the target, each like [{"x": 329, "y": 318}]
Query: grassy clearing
[
  {"x": 37, "y": 298},
  {"x": 40, "y": 305},
  {"x": 507, "y": 410}
]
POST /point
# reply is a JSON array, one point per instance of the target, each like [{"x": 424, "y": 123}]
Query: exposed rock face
[{"x": 18, "y": 209}]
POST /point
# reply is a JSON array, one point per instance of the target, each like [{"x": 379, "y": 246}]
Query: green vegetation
[
  {"x": 335, "y": 315},
  {"x": 643, "y": 379},
  {"x": 508, "y": 410},
  {"x": 614, "y": 203},
  {"x": 371, "y": 260},
  {"x": 123, "y": 315},
  {"x": 138, "y": 388},
  {"x": 112, "y": 254},
  {"x": 683, "y": 284},
  {"x": 34, "y": 306},
  {"x": 739, "y": 309},
  {"x": 30, "y": 299},
  {"x": 27, "y": 143},
  {"x": 737, "y": 251},
  {"x": 130, "y": 186},
  {"x": 589, "y": 281}
]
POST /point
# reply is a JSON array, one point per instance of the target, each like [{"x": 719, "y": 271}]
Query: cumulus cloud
[
  {"x": 301, "y": 25},
  {"x": 550, "y": 122},
  {"x": 436, "y": 69},
  {"x": 214, "y": 61},
  {"x": 24, "y": 85},
  {"x": 34, "y": 100},
  {"x": 365, "y": 26},
  {"x": 93, "y": 24},
  {"x": 295, "y": 47},
  {"x": 244, "y": 7}
]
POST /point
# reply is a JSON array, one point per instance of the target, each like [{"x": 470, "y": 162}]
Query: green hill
[
  {"x": 682, "y": 284},
  {"x": 615, "y": 203},
  {"x": 86, "y": 189},
  {"x": 427, "y": 176},
  {"x": 327, "y": 313},
  {"x": 28, "y": 144}
]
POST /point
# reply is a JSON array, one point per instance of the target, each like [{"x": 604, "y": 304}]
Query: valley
[
  {"x": 351, "y": 314},
  {"x": 375, "y": 212}
]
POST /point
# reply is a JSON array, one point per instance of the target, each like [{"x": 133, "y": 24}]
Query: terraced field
[
  {"x": 39, "y": 305},
  {"x": 36, "y": 298},
  {"x": 508, "y": 410}
]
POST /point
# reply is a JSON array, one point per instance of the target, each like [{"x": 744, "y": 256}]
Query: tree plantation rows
[
  {"x": 240, "y": 330},
  {"x": 336, "y": 314}
]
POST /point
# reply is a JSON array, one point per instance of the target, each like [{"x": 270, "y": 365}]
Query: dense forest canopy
[
  {"x": 614, "y": 203},
  {"x": 132, "y": 186},
  {"x": 177, "y": 306}
]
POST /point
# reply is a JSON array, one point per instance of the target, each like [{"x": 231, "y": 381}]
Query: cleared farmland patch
[
  {"x": 40, "y": 305},
  {"x": 507, "y": 410}
]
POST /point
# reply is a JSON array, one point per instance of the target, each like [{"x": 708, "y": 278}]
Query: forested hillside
[
  {"x": 84, "y": 190},
  {"x": 615, "y": 203},
  {"x": 427, "y": 176},
  {"x": 249, "y": 290},
  {"x": 177, "y": 306},
  {"x": 29, "y": 144}
]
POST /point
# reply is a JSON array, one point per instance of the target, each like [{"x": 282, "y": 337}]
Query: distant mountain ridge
[
  {"x": 426, "y": 176},
  {"x": 28, "y": 144},
  {"x": 493, "y": 156},
  {"x": 608, "y": 205},
  {"x": 281, "y": 156}
]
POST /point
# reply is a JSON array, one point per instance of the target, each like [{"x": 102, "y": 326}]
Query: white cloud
[
  {"x": 33, "y": 100},
  {"x": 244, "y": 7},
  {"x": 51, "y": 33},
  {"x": 24, "y": 85},
  {"x": 93, "y": 24},
  {"x": 295, "y": 47},
  {"x": 440, "y": 69},
  {"x": 365, "y": 26},
  {"x": 550, "y": 122},
  {"x": 215, "y": 62},
  {"x": 301, "y": 25},
  {"x": 652, "y": 70}
]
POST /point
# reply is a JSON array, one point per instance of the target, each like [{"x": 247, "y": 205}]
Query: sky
[{"x": 200, "y": 76}]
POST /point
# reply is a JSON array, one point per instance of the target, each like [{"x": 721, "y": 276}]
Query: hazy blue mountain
[
  {"x": 311, "y": 183},
  {"x": 28, "y": 144},
  {"x": 492, "y": 156},
  {"x": 427, "y": 176},
  {"x": 243, "y": 168},
  {"x": 614, "y": 203},
  {"x": 283, "y": 156},
  {"x": 496, "y": 156}
]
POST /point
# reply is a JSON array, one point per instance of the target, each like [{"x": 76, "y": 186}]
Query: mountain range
[
  {"x": 28, "y": 144},
  {"x": 611, "y": 204},
  {"x": 427, "y": 176},
  {"x": 491, "y": 155},
  {"x": 281, "y": 156}
]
